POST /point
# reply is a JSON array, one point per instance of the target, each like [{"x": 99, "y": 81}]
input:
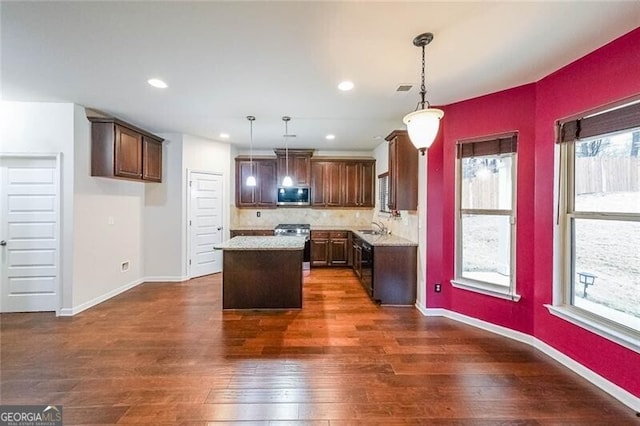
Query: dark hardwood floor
[{"x": 167, "y": 354}]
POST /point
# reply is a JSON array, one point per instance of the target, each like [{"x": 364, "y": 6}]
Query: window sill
[
  {"x": 486, "y": 289},
  {"x": 628, "y": 339}
]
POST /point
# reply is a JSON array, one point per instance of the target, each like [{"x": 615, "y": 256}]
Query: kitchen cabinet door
[
  {"x": 359, "y": 184},
  {"x": 319, "y": 251},
  {"x": 339, "y": 251},
  {"x": 263, "y": 195},
  {"x": 326, "y": 183},
  {"x": 403, "y": 172},
  {"x": 128, "y": 155},
  {"x": 151, "y": 159},
  {"x": 299, "y": 166}
]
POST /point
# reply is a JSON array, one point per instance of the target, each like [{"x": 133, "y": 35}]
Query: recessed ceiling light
[
  {"x": 156, "y": 82},
  {"x": 224, "y": 135},
  {"x": 330, "y": 137},
  {"x": 377, "y": 137},
  {"x": 346, "y": 86}
]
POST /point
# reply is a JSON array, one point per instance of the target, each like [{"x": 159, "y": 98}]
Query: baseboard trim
[
  {"x": 69, "y": 312},
  {"x": 622, "y": 395},
  {"x": 165, "y": 279}
]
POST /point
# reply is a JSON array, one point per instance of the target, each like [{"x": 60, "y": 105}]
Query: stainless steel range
[{"x": 297, "y": 230}]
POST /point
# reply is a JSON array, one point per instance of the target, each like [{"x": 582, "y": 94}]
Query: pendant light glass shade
[
  {"x": 251, "y": 180},
  {"x": 422, "y": 126},
  {"x": 287, "y": 181}
]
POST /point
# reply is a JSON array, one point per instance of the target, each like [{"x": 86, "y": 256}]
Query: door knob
[
  {"x": 3, "y": 243},
  {"x": 219, "y": 228}
]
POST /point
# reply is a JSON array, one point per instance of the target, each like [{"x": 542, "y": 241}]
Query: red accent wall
[{"x": 606, "y": 75}]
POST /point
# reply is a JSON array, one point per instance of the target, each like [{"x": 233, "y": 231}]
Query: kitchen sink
[{"x": 369, "y": 231}]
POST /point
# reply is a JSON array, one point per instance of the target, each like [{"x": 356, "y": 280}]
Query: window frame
[
  {"x": 562, "y": 303},
  {"x": 383, "y": 193},
  {"x": 474, "y": 285}
]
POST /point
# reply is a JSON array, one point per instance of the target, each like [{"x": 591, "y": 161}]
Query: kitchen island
[{"x": 262, "y": 272}]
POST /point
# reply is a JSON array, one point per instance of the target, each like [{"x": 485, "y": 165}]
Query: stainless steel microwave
[{"x": 293, "y": 196}]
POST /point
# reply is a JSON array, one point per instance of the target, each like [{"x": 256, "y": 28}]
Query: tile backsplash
[
  {"x": 269, "y": 218},
  {"x": 405, "y": 226}
]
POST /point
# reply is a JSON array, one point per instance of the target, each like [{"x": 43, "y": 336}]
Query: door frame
[
  {"x": 58, "y": 175},
  {"x": 188, "y": 216}
]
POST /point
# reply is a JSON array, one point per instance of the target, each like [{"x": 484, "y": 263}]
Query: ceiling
[{"x": 226, "y": 60}]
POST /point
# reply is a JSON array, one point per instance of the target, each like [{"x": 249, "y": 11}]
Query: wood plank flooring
[{"x": 165, "y": 353}]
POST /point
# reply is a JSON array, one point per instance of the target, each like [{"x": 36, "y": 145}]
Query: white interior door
[
  {"x": 29, "y": 218},
  {"x": 205, "y": 223}
]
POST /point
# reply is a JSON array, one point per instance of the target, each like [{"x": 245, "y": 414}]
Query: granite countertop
[
  {"x": 374, "y": 240},
  {"x": 262, "y": 243},
  {"x": 384, "y": 240}
]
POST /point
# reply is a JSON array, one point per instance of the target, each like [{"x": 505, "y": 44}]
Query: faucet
[{"x": 383, "y": 229}]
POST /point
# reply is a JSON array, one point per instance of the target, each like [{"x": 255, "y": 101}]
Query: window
[
  {"x": 383, "y": 192},
  {"x": 485, "y": 237},
  {"x": 598, "y": 256}
]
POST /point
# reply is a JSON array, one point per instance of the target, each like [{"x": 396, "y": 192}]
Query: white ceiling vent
[{"x": 404, "y": 88}]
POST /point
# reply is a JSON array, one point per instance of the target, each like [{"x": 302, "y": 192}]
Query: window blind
[
  {"x": 614, "y": 120},
  {"x": 492, "y": 145}
]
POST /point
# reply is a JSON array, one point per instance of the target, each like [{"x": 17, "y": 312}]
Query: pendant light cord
[
  {"x": 286, "y": 144},
  {"x": 423, "y": 89}
]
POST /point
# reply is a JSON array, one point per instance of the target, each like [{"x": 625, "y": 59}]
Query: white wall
[
  {"x": 46, "y": 128},
  {"x": 203, "y": 155},
  {"x": 107, "y": 227},
  {"x": 163, "y": 221},
  {"x": 165, "y": 210}
]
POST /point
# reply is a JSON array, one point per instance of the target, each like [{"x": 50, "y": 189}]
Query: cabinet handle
[{"x": 3, "y": 243}]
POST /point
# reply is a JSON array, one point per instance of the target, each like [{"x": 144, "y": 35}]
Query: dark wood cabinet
[
  {"x": 343, "y": 183},
  {"x": 151, "y": 159},
  {"x": 319, "y": 249},
  {"x": 403, "y": 172},
  {"x": 394, "y": 275},
  {"x": 263, "y": 195},
  {"x": 387, "y": 273},
  {"x": 326, "y": 183},
  {"x": 359, "y": 184},
  {"x": 339, "y": 248},
  {"x": 330, "y": 248},
  {"x": 299, "y": 166},
  {"x": 121, "y": 150}
]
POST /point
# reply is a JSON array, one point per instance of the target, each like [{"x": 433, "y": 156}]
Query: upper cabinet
[
  {"x": 120, "y": 150},
  {"x": 332, "y": 182},
  {"x": 326, "y": 183},
  {"x": 359, "y": 183},
  {"x": 342, "y": 183},
  {"x": 299, "y": 165},
  {"x": 403, "y": 172},
  {"x": 262, "y": 195}
]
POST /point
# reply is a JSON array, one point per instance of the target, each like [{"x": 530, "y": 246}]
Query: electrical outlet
[
  {"x": 437, "y": 288},
  {"x": 124, "y": 266}
]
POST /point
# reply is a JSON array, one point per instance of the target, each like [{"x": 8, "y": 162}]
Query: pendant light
[
  {"x": 287, "y": 181},
  {"x": 251, "y": 180},
  {"x": 422, "y": 124}
]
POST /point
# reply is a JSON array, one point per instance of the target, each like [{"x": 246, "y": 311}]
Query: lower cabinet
[
  {"x": 387, "y": 273},
  {"x": 330, "y": 248}
]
